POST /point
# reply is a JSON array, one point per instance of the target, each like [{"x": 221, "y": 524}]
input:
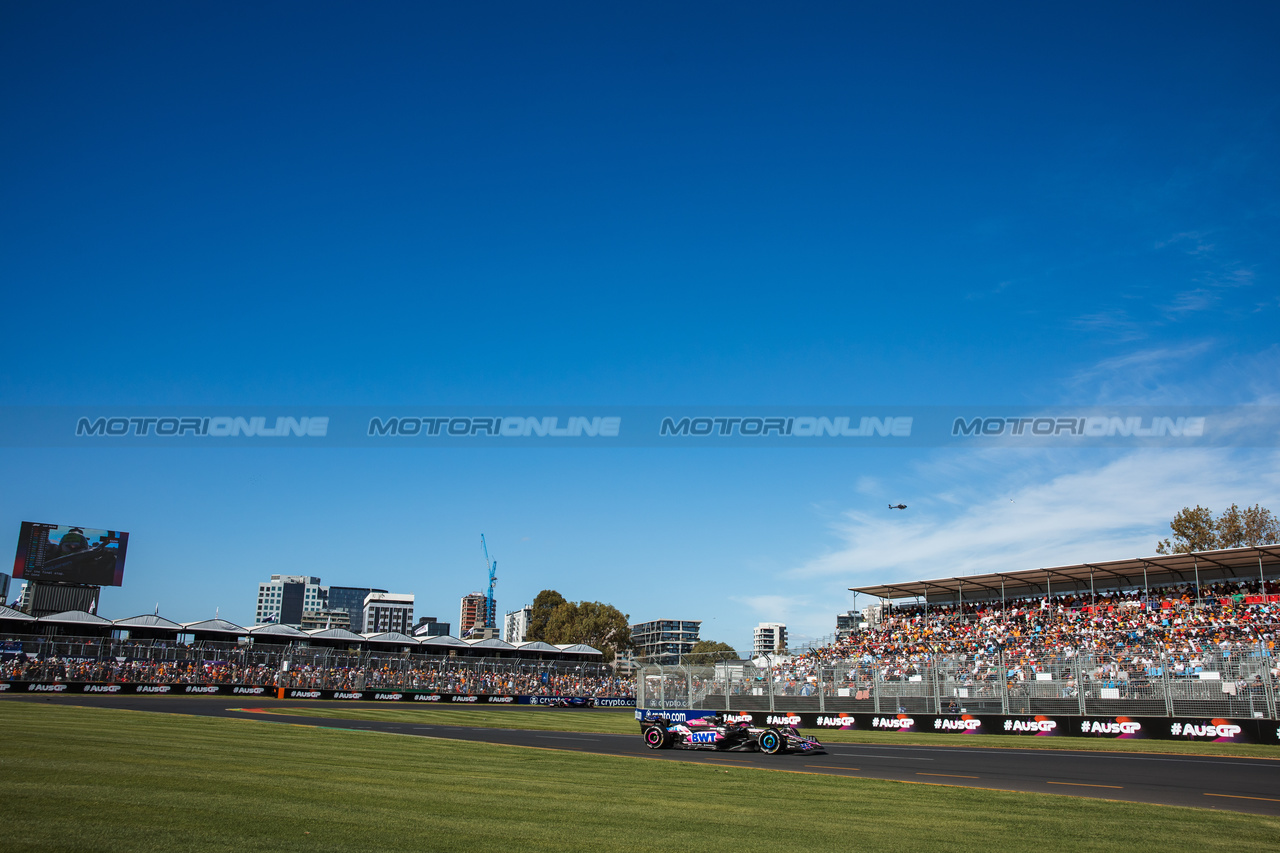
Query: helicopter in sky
[{"x": 899, "y": 506}]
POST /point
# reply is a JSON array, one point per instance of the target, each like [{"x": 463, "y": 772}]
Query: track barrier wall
[
  {"x": 270, "y": 691},
  {"x": 1215, "y": 730}
]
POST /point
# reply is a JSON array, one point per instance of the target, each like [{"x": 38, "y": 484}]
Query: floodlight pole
[{"x": 1196, "y": 563}]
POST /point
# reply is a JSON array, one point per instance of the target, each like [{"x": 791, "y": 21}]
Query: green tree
[
  {"x": 1197, "y": 530},
  {"x": 601, "y": 626},
  {"x": 707, "y": 652},
  {"x": 544, "y": 604}
]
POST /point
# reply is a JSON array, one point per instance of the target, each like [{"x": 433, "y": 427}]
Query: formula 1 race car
[
  {"x": 572, "y": 702},
  {"x": 725, "y": 734}
]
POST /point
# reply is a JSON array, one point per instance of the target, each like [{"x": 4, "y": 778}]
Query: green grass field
[
  {"x": 623, "y": 722},
  {"x": 110, "y": 780}
]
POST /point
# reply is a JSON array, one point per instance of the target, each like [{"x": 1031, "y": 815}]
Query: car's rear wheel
[
  {"x": 771, "y": 742},
  {"x": 656, "y": 737}
]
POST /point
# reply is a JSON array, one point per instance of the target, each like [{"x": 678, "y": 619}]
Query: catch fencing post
[
  {"x": 822, "y": 690},
  {"x": 1268, "y": 683},
  {"x": 1080, "y": 686},
  {"x": 1165, "y": 686},
  {"x": 1004, "y": 685},
  {"x": 770, "y": 680}
]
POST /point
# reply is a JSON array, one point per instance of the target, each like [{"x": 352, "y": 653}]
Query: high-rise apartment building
[
  {"x": 664, "y": 640},
  {"x": 769, "y": 638},
  {"x": 285, "y": 598},
  {"x": 388, "y": 611},
  {"x": 515, "y": 627},
  {"x": 471, "y": 614},
  {"x": 351, "y": 599}
]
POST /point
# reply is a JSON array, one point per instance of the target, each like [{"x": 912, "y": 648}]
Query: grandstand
[
  {"x": 1173, "y": 635},
  {"x": 82, "y": 648}
]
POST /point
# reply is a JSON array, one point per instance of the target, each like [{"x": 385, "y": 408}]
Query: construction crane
[{"x": 490, "y": 617}]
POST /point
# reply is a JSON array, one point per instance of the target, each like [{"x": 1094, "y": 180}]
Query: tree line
[{"x": 1197, "y": 529}]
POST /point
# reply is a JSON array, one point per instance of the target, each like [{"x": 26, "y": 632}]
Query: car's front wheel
[{"x": 771, "y": 742}]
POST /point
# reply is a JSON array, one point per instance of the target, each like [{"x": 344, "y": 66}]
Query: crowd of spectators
[
  {"x": 440, "y": 676},
  {"x": 1112, "y": 637}
]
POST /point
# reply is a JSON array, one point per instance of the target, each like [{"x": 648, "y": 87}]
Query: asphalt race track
[{"x": 1236, "y": 784}]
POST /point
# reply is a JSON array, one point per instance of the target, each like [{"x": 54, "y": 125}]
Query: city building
[
  {"x": 351, "y": 599},
  {"x": 664, "y": 640},
  {"x": 285, "y": 598},
  {"x": 330, "y": 618},
  {"x": 848, "y": 624},
  {"x": 429, "y": 626},
  {"x": 769, "y": 638},
  {"x": 388, "y": 611},
  {"x": 515, "y": 626},
  {"x": 471, "y": 614}
]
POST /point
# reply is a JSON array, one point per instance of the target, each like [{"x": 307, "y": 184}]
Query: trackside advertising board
[{"x": 1219, "y": 729}]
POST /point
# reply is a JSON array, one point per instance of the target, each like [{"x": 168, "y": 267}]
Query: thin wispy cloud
[{"x": 1117, "y": 509}]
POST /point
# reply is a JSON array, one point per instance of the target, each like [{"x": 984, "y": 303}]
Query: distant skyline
[{"x": 293, "y": 208}]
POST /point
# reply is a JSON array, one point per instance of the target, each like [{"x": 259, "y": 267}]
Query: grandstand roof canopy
[
  {"x": 147, "y": 620},
  {"x": 391, "y": 637},
  {"x": 214, "y": 626},
  {"x": 275, "y": 629},
  {"x": 78, "y": 617},
  {"x": 15, "y": 615},
  {"x": 1231, "y": 563},
  {"x": 578, "y": 649}
]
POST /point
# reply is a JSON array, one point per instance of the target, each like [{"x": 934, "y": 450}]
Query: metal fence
[
  {"x": 36, "y": 658},
  {"x": 1136, "y": 681}
]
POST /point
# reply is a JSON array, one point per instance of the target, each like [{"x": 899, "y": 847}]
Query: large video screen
[{"x": 60, "y": 553}]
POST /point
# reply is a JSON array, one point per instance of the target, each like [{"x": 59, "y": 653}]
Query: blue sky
[{"x": 310, "y": 205}]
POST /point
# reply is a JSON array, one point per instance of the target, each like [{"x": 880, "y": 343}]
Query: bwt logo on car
[
  {"x": 426, "y": 697},
  {"x": 957, "y": 725},
  {"x": 782, "y": 720},
  {"x": 256, "y": 691},
  {"x": 1091, "y": 427},
  {"x": 348, "y": 696},
  {"x": 1029, "y": 725},
  {"x": 46, "y": 688},
  {"x": 892, "y": 722},
  {"x": 102, "y": 688},
  {"x": 1221, "y": 730},
  {"x": 1120, "y": 727},
  {"x": 300, "y": 694},
  {"x": 389, "y": 697},
  {"x": 153, "y": 688},
  {"x": 218, "y": 427},
  {"x": 702, "y": 737},
  {"x": 802, "y": 427},
  {"x": 191, "y": 688}
]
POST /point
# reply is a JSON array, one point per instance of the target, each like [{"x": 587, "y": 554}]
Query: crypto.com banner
[{"x": 651, "y": 426}]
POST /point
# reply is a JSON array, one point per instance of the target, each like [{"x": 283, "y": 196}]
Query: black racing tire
[
  {"x": 772, "y": 742},
  {"x": 656, "y": 737}
]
